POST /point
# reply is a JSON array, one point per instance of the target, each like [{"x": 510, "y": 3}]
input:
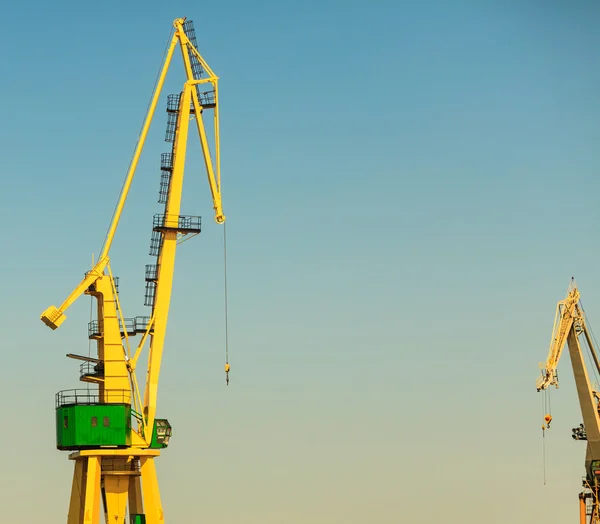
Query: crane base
[{"x": 124, "y": 479}]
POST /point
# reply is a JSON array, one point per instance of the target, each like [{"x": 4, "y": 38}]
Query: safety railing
[
  {"x": 91, "y": 369},
  {"x": 207, "y": 99},
  {"x": 141, "y": 324},
  {"x": 181, "y": 223},
  {"x": 82, "y": 397},
  {"x": 96, "y": 327}
]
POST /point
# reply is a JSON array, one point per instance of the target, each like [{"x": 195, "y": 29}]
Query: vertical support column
[
  {"x": 116, "y": 488},
  {"x": 91, "y": 507},
  {"x": 75, "y": 515},
  {"x": 110, "y": 345},
  {"x": 135, "y": 496},
  {"x": 582, "y": 508},
  {"x": 166, "y": 260},
  {"x": 152, "y": 505}
]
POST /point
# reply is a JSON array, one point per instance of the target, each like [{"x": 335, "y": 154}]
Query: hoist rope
[
  {"x": 544, "y": 401},
  {"x": 544, "y": 454},
  {"x": 226, "y": 305}
]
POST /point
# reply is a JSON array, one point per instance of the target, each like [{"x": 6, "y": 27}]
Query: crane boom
[
  {"x": 170, "y": 225},
  {"x": 53, "y": 317},
  {"x": 566, "y": 313}
]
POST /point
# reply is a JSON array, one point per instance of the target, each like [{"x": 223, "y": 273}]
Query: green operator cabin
[{"x": 90, "y": 425}]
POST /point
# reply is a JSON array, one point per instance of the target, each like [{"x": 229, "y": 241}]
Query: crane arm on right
[
  {"x": 192, "y": 59},
  {"x": 567, "y": 312}
]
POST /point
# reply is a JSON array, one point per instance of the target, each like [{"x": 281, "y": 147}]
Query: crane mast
[
  {"x": 569, "y": 326},
  {"x": 112, "y": 432}
]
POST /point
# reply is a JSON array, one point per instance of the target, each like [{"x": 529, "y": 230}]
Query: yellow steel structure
[
  {"x": 126, "y": 476},
  {"x": 569, "y": 326}
]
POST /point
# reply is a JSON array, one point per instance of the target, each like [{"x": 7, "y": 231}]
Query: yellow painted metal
[
  {"x": 75, "y": 515},
  {"x": 53, "y": 317},
  {"x": 152, "y": 505},
  {"x": 166, "y": 260},
  {"x": 111, "y": 473},
  {"x": 118, "y": 381},
  {"x": 569, "y": 325},
  {"x": 139, "y": 147},
  {"x": 91, "y": 503},
  {"x": 116, "y": 493},
  {"x": 567, "y": 311},
  {"x": 214, "y": 183},
  {"x": 110, "y": 345}
]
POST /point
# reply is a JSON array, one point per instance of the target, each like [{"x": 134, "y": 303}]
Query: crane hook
[
  {"x": 547, "y": 420},
  {"x": 227, "y": 368}
]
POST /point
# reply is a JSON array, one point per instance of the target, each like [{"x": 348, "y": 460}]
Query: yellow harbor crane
[
  {"x": 112, "y": 432},
  {"x": 571, "y": 327}
]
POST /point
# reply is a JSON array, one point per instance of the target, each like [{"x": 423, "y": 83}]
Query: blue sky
[{"x": 409, "y": 187}]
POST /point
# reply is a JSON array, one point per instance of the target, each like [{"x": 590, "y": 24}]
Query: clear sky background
[{"x": 409, "y": 187}]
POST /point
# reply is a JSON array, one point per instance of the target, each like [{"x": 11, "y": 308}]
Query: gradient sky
[{"x": 409, "y": 187}]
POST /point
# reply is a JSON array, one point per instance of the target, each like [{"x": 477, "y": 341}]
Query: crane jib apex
[{"x": 112, "y": 432}]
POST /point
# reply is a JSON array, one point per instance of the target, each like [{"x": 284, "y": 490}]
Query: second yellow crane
[{"x": 571, "y": 328}]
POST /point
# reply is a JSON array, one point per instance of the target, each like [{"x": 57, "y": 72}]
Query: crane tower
[{"x": 111, "y": 428}]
